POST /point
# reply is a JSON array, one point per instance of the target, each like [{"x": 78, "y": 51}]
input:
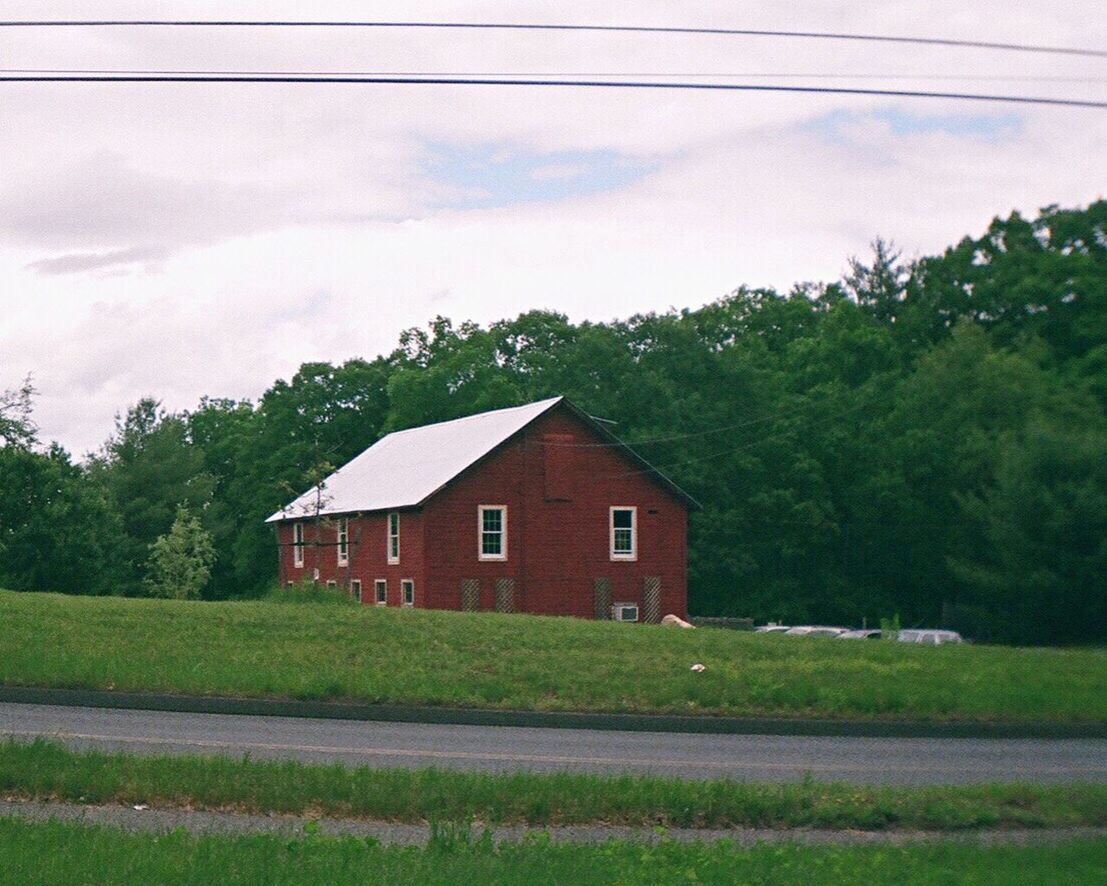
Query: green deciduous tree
[
  {"x": 180, "y": 561},
  {"x": 16, "y": 426},
  {"x": 149, "y": 468}
]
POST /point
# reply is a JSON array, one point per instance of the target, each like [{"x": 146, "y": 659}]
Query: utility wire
[
  {"x": 677, "y": 437},
  {"x": 815, "y": 75},
  {"x": 515, "y": 26},
  {"x": 603, "y": 84},
  {"x": 656, "y": 469}
]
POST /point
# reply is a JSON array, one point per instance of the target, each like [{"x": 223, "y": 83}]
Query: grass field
[
  {"x": 54, "y": 853},
  {"x": 46, "y": 770},
  {"x": 526, "y": 662}
]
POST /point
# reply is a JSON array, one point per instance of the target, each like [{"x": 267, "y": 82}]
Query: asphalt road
[{"x": 507, "y": 748}]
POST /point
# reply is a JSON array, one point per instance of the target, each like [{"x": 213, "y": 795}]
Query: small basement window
[
  {"x": 394, "y": 537},
  {"x": 492, "y": 527},
  {"x": 625, "y": 612},
  {"x": 624, "y": 533},
  {"x": 343, "y": 542},
  {"x": 380, "y": 590},
  {"x": 331, "y": 583},
  {"x": 407, "y": 588},
  {"x": 297, "y": 544},
  {"x": 355, "y": 589}
]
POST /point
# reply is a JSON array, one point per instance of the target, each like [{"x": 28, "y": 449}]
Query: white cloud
[{"x": 182, "y": 240}]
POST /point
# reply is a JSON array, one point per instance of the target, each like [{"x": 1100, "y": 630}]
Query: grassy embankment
[
  {"x": 56, "y": 853},
  {"x": 524, "y": 662},
  {"x": 46, "y": 771}
]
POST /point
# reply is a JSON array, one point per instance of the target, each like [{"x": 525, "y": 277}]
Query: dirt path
[{"x": 162, "y": 820}]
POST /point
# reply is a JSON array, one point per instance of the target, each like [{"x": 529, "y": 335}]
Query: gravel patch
[{"x": 165, "y": 819}]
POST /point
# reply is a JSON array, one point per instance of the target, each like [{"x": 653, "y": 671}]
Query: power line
[
  {"x": 516, "y": 26},
  {"x": 603, "y": 84},
  {"x": 814, "y": 75},
  {"x": 656, "y": 469},
  {"x": 677, "y": 437}
]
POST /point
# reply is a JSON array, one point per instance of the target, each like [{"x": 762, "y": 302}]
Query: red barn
[{"x": 538, "y": 508}]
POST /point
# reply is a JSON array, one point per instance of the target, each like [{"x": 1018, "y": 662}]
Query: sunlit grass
[
  {"x": 55, "y": 853},
  {"x": 527, "y": 662},
  {"x": 46, "y": 770}
]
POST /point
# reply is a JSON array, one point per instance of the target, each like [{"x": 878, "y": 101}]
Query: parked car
[
  {"x": 771, "y": 629},
  {"x": 863, "y": 634},
  {"x": 929, "y": 636},
  {"x": 814, "y": 631}
]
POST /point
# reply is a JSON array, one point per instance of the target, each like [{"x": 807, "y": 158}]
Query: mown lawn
[
  {"x": 312, "y": 651},
  {"x": 55, "y": 853},
  {"x": 44, "y": 770}
]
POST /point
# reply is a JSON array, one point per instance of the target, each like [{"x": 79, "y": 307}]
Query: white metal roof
[{"x": 404, "y": 468}]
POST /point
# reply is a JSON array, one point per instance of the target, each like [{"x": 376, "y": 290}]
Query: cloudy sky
[{"x": 180, "y": 240}]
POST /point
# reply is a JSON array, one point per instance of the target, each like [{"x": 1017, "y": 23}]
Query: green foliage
[
  {"x": 1044, "y": 568},
  {"x": 310, "y": 592},
  {"x": 149, "y": 469},
  {"x": 16, "y": 426},
  {"x": 58, "y": 528},
  {"x": 889, "y": 627},
  {"x": 880, "y": 444},
  {"x": 257, "y": 648},
  {"x": 181, "y": 560}
]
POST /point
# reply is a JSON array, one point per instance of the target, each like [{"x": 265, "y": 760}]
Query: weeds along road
[{"x": 503, "y": 748}]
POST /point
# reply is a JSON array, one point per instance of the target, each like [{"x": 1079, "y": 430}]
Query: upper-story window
[
  {"x": 297, "y": 544},
  {"x": 394, "y": 537},
  {"x": 343, "y": 542},
  {"x": 492, "y": 541},
  {"x": 624, "y": 533}
]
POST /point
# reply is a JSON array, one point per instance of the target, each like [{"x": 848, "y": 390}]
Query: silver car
[
  {"x": 863, "y": 634},
  {"x": 814, "y": 631},
  {"x": 929, "y": 636}
]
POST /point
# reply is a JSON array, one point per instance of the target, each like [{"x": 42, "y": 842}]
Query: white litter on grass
[
  {"x": 141, "y": 807},
  {"x": 698, "y": 668}
]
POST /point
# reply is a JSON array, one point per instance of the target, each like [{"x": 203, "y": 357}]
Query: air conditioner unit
[{"x": 624, "y": 612}]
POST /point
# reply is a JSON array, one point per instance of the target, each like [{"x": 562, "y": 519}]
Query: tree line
[{"x": 926, "y": 438}]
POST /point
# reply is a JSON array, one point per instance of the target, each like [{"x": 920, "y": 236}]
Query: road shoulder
[{"x": 99, "y": 698}]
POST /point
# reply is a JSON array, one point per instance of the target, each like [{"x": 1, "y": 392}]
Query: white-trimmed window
[
  {"x": 331, "y": 583},
  {"x": 297, "y": 544},
  {"x": 343, "y": 542},
  {"x": 625, "y": 612},
  {"x": 492, "y": 532},
  {"x": 380, "y": 591},
  {"x": 355, "y": 589},
  {"x": 624, "y": 532},
  {"x": 394, "y": 537},
  {"x": 407, "y": 591}
]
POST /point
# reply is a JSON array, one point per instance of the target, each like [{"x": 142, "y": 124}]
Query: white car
[
  {"x": 862, "y": 634},
  {"x": 929, "y": 637},
  {"x": 771, "y": 629},
  {"x": 814, "y": 631}
]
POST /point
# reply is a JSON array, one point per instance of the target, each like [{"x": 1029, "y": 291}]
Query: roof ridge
[
  {"x": 399, "y": 473},
  {"x": 461, "y": 418}
]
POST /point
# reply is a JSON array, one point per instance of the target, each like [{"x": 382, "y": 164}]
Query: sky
[{"x": 182, "y": 240}]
